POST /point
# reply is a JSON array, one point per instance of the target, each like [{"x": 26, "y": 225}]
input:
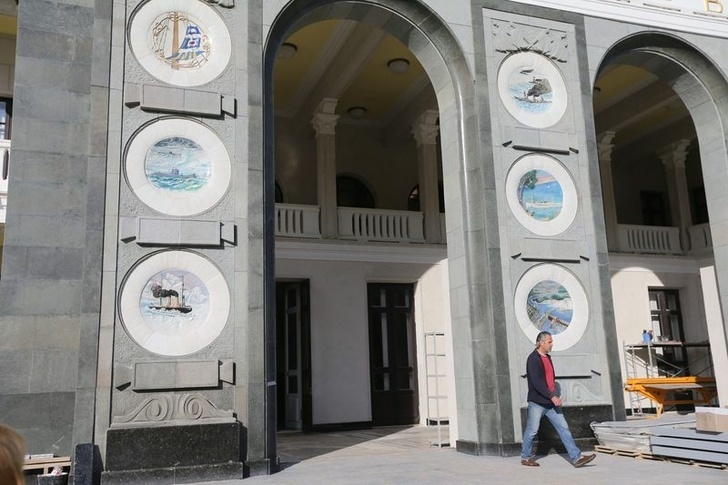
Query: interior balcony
[
  {"x": 357, "y": 224},
  {"x": 637, "y": 239}
]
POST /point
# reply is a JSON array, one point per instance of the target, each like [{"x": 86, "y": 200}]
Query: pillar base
[
  {"x": 173, "y": 454},
  {"x": 488, "y": 449}
]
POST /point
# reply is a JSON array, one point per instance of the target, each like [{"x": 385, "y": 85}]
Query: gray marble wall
[{"x": 50, "y": 288}]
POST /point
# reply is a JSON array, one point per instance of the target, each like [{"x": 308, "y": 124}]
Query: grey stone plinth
[
  {"x": 489, "y": 449},
  {"x": 162, "y": 453},
  {"x": 172, "y": 475}
]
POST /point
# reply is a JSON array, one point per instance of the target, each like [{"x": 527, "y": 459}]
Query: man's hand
[{"x": 557, "y": 401}]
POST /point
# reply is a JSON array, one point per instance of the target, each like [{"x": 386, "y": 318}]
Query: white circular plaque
[
  {"x": 184, "y": 43},
  {"x": 174, "y": 303},
  {"x": 550, "y": 298},
  {"x": 532, "y": 89},
  {"x": 541, "y": 194},
  {"x": 178, "y": 167}
]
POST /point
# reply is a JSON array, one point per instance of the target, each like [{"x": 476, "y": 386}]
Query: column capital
[
  {"x": 674, "y": 154},
  {"x": 605, "y": 145},
  {"x": 324, "y": 123},
  {"x": 425, "y": 127}
]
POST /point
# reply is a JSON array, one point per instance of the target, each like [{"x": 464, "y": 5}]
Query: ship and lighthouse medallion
[{"x": 180, "y": 43}]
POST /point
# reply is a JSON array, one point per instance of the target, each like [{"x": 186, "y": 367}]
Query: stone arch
[
  {"x": 703, "y": 89},
  {"x": 438, "y": 51}
]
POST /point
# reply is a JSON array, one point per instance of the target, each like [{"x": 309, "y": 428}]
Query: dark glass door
[
  {"x": 392, "y": 354},
  {"x": 293, "y": 355},
  {"x": 667, "y": 326}
]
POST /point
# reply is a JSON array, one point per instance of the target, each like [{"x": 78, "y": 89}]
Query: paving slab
[{"x": 405, "y": 456}]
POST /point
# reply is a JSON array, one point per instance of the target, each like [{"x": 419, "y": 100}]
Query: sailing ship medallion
[
  {"x": 186, "y": 46},
  {"x": 190, "y": 50}
]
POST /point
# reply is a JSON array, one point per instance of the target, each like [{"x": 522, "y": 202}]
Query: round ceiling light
[
  {"x": 287, "y": 50},
  {"x": 357, "y": 112},
  {"x": 398, "y": 65}
]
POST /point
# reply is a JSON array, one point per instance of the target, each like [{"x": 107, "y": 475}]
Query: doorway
[
  {"x": 667, "y": 324},
  {"x": 293, "y": 355},
  {"x": 392, "y": 354}
]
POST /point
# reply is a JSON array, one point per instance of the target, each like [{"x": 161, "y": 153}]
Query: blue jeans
[{"x": 556, "y": 416}]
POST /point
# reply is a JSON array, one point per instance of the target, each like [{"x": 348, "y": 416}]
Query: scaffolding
[{"x": 650, "y": 375}]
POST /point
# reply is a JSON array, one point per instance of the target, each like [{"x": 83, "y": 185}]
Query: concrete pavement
[{"x": 404, "y": 456}]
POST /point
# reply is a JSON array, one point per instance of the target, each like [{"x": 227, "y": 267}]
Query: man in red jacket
[{"x": 543, "y": 399}]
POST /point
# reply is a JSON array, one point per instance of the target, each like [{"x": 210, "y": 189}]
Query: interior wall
[
  {"x": 631, "y": 177},
  {"x": 633, "y": 276},
  {"x": 7, "y": 65},
  {"x": 390, "y": 170},
  {"x": 339, "y": 327},
  {"x": 295, "y": 159}
]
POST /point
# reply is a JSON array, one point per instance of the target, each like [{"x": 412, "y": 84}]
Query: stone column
[
  {"x": 605, "y": 147},
  {"x": 324, "y": 122},
  {"x": 673, "y": 158},
  {"x": 425, "y": 130}
]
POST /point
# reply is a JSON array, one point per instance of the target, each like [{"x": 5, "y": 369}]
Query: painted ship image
[
  {"x": 191, "y": 51},
  {"x": 169, "y": 300}
]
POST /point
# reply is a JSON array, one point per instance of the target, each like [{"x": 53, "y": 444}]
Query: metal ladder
[{"x": 436, "y": 386}]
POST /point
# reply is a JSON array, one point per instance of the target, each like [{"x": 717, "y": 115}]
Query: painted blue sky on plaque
[
  {"x": 173, "y": 299},
  {"x": 549, "y": 307},
  {"x": 179, "y": 41},
  {"x": 540, "y": 195},
  {"x": 177, "y": 164},
  {"x": 531, "y": 89}
]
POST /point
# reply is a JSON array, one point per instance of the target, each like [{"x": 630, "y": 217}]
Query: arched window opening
[
  {"x": 351, "y": 192},
  {"x": 413, "y": 199}
]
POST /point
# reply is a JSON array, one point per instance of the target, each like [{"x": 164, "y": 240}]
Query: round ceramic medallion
[
  {"x": 541, "y": 194},
  {"x": 174, "y": 303},
  {"x": 184, "y": 43},
  {"x": 532, "y": 89},
  {"x": 550, "y": 298},
  {"x": 178, "y": 167}
]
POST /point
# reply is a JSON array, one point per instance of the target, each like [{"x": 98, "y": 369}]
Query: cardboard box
[{"x": 711, "y": 419}]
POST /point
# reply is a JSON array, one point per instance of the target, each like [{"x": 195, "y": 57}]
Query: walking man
[{"x": 543, "y": 399}]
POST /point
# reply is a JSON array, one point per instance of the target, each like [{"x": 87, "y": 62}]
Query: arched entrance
[
  {"x": 438, "y": 53},
  {"x": 663, "y": 157}
]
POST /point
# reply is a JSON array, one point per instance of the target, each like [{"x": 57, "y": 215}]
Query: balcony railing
[
  {"x": 380, "y": 225},
  {"x": 293, "y": 220},
  {"x": 4, "y": 154},
  {"x": 649, "y": 239},
  {"x": 700, "y": 238},
  {"x": 302, "y": 221}
]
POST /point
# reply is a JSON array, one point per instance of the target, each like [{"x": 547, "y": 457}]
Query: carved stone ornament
[
  {"x": 511, "y": 37},
  {"x": 173, "y": 410},
  {"x": 222, "y": 3}
]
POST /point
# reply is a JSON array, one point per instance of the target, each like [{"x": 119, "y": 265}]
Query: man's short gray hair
[{"x": 541, "y": 337}]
